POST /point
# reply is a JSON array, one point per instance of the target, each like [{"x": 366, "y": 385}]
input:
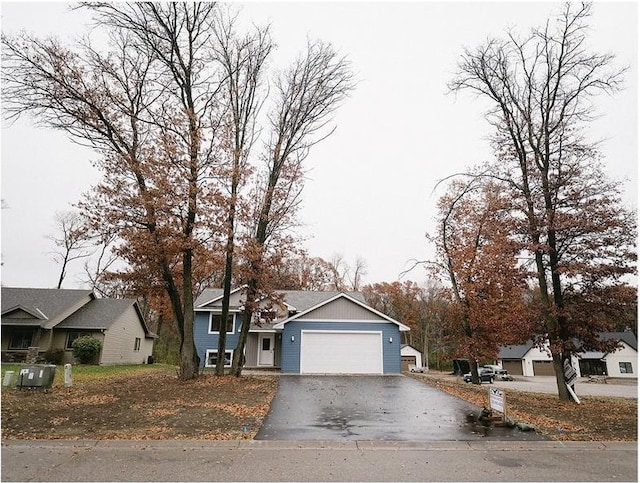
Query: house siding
[
  {"x": 205, "y": 341},
  {"x": 290, "y": 357},
  {"x": 251, "y": 350},
  {"x": 626, "y": 354},
  {"x": 119, "y": 341},
  {"x": 341, "y": 309}
]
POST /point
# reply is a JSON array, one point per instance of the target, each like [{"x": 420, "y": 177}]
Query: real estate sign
[
  {"x": 496, "y": 399},
  {"x": 570, "y": 374}
]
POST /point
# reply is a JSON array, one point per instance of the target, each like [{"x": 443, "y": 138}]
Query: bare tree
[
  {"x": 149, "y": 106},
  {"x": 357, "y": 273},
  {"x": 541, "y": 89},
  {"x": 71, "y": 239},
  {"x": 306, "y": 97},
  {"x": 242, "y": 60},
  {"x": 97, "y": 269}
]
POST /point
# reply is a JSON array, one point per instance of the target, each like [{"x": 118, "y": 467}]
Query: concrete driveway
[{"x": 387, "y": 408}]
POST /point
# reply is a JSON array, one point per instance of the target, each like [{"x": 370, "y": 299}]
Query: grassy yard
[
  {"x": 137, "y": 403},
  {"x": 86, "y": 373},
  {"x": 596, "y": 419}
]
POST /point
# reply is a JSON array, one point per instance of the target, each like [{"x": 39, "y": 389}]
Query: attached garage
[
  {"x": 341, "y": 335},
  {"x": 512, "y": 367},
  {"x": 543, "y": 368},
  {"x": 340, "y": 352}
]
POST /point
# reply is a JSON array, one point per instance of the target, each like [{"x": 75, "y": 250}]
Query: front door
[{"x": 265, "y": 354}]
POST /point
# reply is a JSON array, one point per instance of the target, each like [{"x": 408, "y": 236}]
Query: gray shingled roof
[
  {"x": 514, "y": 351},
  {"x": 49, "y": 302},
  {"x": 626, "y": 337},
  {"x": 300, "y": 299},
  {"x": 99, "y": 314}
]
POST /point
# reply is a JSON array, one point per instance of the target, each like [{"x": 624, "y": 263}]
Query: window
[
  {"x": 626, "y": 368},
  {"x": 214, "y": 324},
  {"x": 212, "y": 358},
  {"x": 136, "y": 345},
  {"x": 21, "y": 339},
  {"x": 73, "y": 335},
  {"x": 266, "y": 344}
]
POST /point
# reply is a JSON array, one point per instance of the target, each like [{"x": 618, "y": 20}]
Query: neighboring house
[
  {"x": 307, "y": 332},
  {"x": 410, "y": 356},
  {"x": 52, "y": 319},
  {"x": 527, "y": 360}
]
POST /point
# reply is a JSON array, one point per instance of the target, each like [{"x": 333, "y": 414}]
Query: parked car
[
  {"x": 497, "y": 370},
  {"x": 499, "y": 373},
  {"x": 486, "y": 375}
]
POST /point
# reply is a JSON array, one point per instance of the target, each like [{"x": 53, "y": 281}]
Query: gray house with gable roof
[{"x": 53, "y": 318}]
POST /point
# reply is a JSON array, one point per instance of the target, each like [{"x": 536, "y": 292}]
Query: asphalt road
[{"x": 317, "y": 461}]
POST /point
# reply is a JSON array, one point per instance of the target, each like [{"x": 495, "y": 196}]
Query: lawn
[
  {"x": 138, "y": 402},
  {"x": 595, "y": 419}
]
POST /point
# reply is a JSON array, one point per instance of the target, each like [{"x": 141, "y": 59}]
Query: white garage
[{"x": 340, "y": 352}]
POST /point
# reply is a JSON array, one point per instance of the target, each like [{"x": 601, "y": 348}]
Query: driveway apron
[{"x": 387, "y": 408}]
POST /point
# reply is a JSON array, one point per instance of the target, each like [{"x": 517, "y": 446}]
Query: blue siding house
[{"x": 304, "y": 332}]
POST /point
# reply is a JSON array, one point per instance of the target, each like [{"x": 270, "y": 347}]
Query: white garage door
[{"x": 340, "y": 352}]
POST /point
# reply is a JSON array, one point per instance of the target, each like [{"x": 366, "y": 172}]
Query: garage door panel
[
  {"x": 513, "y": 367},
  {"x": 543, "y": 368},
  {"x": 341, "y": 352}
]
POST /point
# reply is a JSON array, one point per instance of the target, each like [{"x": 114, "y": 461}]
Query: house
[
  {"x": 306, "y": 332},
  {"x": 620, "y": 363},
  {"x": 529, "y": 360},
  {"x": 409, "y": 356},
  {"x": 50, "y": 319}
]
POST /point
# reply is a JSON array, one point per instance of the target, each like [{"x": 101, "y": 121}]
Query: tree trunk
[
  {"x": 238, "y": 355},
  {"x": 473, "y": 364},
  {"x": 189, "y": 359}
]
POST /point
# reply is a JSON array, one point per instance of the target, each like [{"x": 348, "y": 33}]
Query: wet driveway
[{"x": 387, "y": 408}]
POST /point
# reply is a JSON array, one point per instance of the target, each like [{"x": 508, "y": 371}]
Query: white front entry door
[{"x": 266, "y": 349}]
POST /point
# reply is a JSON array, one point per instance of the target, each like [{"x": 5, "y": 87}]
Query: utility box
[
  {"x": 36, "y": 376},
  {"x": 8, "y": 380}
]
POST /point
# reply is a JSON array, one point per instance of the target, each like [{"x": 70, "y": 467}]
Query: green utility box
[{"x": 36, "y": 376}]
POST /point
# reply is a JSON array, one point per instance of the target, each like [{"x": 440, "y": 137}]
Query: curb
[{"x": 331, "y": 445}]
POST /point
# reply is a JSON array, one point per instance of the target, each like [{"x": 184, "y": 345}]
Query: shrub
[
  {"x": 86, "y": 349},
  {"x": 54, "y": 356}
]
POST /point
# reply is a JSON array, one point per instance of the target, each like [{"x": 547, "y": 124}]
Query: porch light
[
  {"x": 293, "y": 338},
  {"x": 390, "y": 340}
]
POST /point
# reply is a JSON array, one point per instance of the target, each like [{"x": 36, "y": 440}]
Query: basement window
[{"x": 212, "y": 358}]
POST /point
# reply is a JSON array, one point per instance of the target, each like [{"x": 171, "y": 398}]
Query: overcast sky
[{"x": 369, "y": 192}]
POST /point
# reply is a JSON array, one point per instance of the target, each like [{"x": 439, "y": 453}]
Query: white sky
[{"x": 370, "y": 189}]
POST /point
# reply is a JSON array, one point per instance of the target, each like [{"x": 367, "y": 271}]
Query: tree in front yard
[
  {"x": 477, "y": 253},
  {"x": 571, "y": 220}
]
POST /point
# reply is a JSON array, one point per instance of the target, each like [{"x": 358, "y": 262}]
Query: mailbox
[{"x": 36, "y": 376}]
